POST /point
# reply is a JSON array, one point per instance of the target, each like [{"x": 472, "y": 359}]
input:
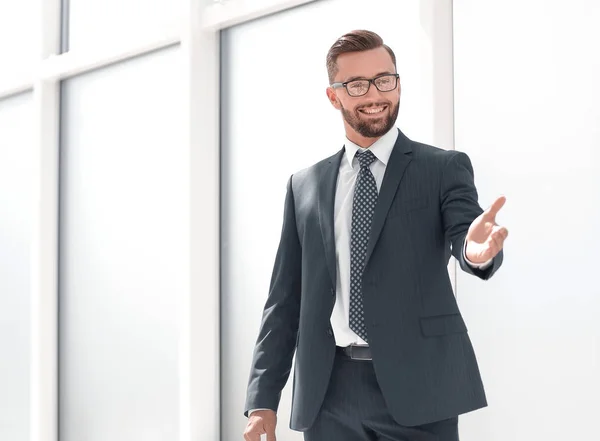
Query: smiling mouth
[{"x": 373, "y": 110}]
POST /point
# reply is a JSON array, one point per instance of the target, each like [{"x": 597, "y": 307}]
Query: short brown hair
[{"x": 355, "y": 41}]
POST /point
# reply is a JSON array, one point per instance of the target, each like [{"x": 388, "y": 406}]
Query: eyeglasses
[{"x": 383, "y": 83}]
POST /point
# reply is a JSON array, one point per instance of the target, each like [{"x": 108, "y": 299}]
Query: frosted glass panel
[
  {"x": 18, "y": 36},
  {"x": 119, "y": 22},
  {"x": 527, "y": 112},
  {"x": 123, "y": 240},
  {"x": 16, "y": 140},
  {"x": 277, "y": 120}
]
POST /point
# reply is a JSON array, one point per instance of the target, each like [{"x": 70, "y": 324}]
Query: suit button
[
  {"x": 329, "y": 332},
  {"x": 333, "y": 292}
]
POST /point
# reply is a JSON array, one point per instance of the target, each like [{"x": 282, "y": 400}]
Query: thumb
[{"x": 493, "y": 209}]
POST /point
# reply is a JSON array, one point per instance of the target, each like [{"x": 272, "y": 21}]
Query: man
[{"x": 360, "y": 288}]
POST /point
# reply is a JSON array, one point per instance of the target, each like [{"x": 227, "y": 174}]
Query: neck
[{"x": 360, "y": 140}]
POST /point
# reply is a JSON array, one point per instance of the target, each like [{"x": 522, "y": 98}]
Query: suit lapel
[
  {"x": 327, "y": 186},
  {"x": 399, "y": 160}
]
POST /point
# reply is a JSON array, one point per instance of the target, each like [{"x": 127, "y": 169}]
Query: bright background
[{"x": 144, "y": 151}]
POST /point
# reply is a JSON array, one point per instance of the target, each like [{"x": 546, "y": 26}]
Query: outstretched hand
[{"x": 485, "y": 237}]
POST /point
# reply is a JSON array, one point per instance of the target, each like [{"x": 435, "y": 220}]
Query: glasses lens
[
  {"x": 386, "y": 83},
  {"x": 357, "y": 88}
]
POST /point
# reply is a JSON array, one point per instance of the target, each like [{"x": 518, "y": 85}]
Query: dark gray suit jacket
[{"x": 422, "y": 354}]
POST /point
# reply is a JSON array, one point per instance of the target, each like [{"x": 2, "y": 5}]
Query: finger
[
  {"x": 253, "y": 433},
  {"x": 504, "y": 232},
  {"x": 501, "y": 233},
  {"x": 252, "y": 436},
  {"x": 496, "y": 245},
  {"x": 493, "y": 209}
]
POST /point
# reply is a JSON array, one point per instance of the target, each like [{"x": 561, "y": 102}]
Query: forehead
[{"x": 365, "y": 64}]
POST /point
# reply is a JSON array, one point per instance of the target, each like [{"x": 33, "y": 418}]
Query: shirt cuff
[
  {"x": 254, "y": 410},
  {"x": 480, "y": 266}
]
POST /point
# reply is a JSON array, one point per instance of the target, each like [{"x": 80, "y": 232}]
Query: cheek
[{"x": 348, "y": 106}]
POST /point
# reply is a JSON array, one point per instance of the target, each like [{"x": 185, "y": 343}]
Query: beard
[{"x": 372, "y": 128}]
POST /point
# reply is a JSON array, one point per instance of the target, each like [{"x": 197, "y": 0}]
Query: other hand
[{"x": 259, "y": 422}]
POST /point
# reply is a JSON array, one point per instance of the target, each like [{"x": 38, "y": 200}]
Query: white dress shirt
[
  {"x": 344, "y": 197},
  {"x": 344, "y": 194}
]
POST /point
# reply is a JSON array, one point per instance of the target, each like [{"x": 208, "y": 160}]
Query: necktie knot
[{"x": 365, "y": 158}]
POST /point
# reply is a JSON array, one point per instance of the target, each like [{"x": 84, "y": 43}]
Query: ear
[{"x": 333, "y": 98}]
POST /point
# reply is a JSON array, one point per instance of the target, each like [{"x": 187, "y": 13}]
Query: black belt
[{"x": 355, "y": 352}]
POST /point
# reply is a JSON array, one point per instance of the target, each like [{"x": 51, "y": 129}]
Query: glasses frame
[{"x": 371, "y": 81}]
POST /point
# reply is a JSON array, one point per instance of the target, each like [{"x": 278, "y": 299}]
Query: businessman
[{"x": 360, "y": 289}]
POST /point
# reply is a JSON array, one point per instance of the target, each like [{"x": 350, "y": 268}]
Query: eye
[{"x": 357, "y": 85}]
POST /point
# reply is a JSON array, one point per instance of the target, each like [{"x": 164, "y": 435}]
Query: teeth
[{"x": 375, "y": 110}]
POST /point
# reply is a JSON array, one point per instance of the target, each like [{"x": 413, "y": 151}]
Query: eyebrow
[{"x": 363, "y": 78}]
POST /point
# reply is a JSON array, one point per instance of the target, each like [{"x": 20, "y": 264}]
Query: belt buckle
[{"x": 357, "y": 356}]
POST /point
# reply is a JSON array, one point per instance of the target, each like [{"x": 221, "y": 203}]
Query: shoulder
[
  {"x": 311, "y": 175},
  {"x": 437, "y": 156},
  {"x": 426, "y": 151}
]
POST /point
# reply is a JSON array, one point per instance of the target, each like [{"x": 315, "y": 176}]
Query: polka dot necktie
[{"x": 363, "y": 207}]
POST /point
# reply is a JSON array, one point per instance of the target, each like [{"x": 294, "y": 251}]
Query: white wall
[
  {"x": 277, "y": 120},
  {"x": 527, "y": 102}
]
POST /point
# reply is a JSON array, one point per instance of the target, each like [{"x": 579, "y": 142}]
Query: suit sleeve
[
  {"x": 460, "y": 207},
  {"x": 276, "y": 342}
]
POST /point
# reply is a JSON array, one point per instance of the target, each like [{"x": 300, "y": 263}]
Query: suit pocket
[{"x": 443, "y": 325}]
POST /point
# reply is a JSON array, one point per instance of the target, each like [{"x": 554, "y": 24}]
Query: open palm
[{"x": 485, "y": 237}]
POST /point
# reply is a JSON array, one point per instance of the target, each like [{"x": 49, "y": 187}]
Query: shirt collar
[{"x": 382, "y": 148}]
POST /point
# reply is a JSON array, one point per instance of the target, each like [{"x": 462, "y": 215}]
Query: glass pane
[
  {"x": 123, "y": 252},
  {"x": 15, "y": 224},
  {"x": 18, "y": 36},
  {"x": 116, "y": 22}
]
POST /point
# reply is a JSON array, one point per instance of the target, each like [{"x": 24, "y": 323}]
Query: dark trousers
[{"x": 354, "y": 410}]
